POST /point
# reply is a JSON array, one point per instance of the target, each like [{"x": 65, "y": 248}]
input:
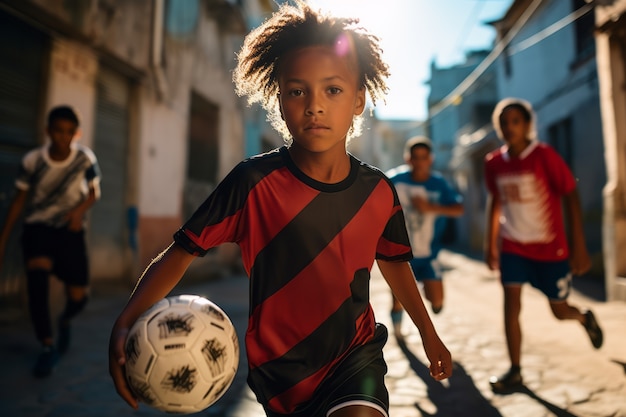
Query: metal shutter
[
  {"x": 23, "y": 51},
  {"x": 108, "y": 231}
]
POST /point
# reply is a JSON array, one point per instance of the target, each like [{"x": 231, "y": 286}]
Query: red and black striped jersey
[{"x": 308, "y": 248}]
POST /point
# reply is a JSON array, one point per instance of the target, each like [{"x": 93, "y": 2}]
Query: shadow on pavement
[
  {"x": 555, "y": 410},
  {"x": 459, "y": 398},
  {"x": 623, "y": 364}
]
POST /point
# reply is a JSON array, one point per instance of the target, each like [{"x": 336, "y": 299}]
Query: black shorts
[
  {"x": 353, "y": 382},
  {"x": 66, "y": 249}
]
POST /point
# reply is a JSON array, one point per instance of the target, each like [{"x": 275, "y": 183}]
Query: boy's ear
[{"x": 360, "y": 101}]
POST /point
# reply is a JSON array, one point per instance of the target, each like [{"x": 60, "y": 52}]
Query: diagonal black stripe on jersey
[
  {"x": 232, "y": 192},
  {"x": 307, "y": 235},
  {"x": 55, "y": 190},
  {"x": 332, "y": 337}
]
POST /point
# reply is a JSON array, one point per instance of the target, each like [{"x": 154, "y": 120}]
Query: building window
[
  {"x": 584, "y": 27},
  {"x": 202, "y": 152},
  {"x": 560, "y": 137}
]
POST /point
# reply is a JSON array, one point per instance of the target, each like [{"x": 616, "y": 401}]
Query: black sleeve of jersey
[
  {"x": 226, "y": 200},
  {"x": 183, "y": 240}
]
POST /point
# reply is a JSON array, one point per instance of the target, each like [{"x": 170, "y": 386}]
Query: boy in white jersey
[
  {"x": 57, "y": 183},
  {"x": 529, "y": 183},
  {"x": 428, "y": 201}
]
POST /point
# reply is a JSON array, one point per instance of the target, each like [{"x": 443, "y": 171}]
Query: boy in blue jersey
[
  {"x": 428, "y": 201},
  {"x": 310, "y": 220}
]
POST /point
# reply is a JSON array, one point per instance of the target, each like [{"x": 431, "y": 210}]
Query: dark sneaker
[
  {"x": 64, "y": 337},
  {"x": 507, "y": 382},
  {"x": 396, "y": 320},
  {"x": 593, "y": 330},
  {"x": 46, "y": 362}
]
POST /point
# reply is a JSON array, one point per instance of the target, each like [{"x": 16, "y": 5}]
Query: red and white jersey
[{"x": 530, "y": 188}]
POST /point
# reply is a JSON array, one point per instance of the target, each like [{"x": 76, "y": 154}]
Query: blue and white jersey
[
  {"x": 425, "y": 229},
  {"x": 56, "y": 186}
]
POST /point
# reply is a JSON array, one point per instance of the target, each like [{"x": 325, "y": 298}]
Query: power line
[
  {"x": 550, "y": 30},
  {"x": 467, "y": 27},
  {"x": 486, "y": 63},
  {"x": 453, "y": 96}
]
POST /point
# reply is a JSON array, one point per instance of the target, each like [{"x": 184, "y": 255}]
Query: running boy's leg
[
  {"x": 73, "y": 269},
  {"x": 513, "y": 331},
  {"x": 76, "y": 300},
  {"x": 431, "y": 277},
  {"x": 38, "y": 243},
  {"x": 554, "y": 279},
  {"x": 514, "y": 272},
  {"x": 562, "y": 310},
  {"x": 512, "y": 327},
  {"x": 38, "y": 288},
  {"x": 38, "y": 285},
  {"x": 428, "y": 273},
  {"x": 433, "y": 291}
]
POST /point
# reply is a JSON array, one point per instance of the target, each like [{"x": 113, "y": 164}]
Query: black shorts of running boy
[{"x": 67, "y": 250}]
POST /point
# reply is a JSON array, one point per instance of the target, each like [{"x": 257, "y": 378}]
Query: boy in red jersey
[
  {"x": 310, "y": 220},
  {"x": 528, "y": 182}
]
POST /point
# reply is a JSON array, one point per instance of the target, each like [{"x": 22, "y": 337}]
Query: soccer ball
[{"x": 181, "y": 354}]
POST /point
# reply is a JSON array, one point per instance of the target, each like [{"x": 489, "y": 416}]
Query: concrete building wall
[
  {"x": 537, "y": 69},
  {"x": 611, "y": 61},
  {"x": 73, "y": 69},
  {"x": 163, "y": 61},
  {"x": 467, "y": 113}
]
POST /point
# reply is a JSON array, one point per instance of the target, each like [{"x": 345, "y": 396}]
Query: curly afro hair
[{"x": 298, "y": 26}]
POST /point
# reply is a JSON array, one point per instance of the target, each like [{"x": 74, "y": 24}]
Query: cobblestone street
[{"x": 564, "y": 376}]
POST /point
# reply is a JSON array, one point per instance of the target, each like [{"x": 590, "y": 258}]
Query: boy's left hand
[{"x": 440, "y": 359}]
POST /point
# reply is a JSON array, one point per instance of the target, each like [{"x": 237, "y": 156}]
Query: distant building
[
  {"x": 460, "y": 128},
  {"x": 152, "y": 80},
  {"x": 450, "y": 117},
  {"x": 382, "y": 141},
  {"x": 611, "y": 58}
]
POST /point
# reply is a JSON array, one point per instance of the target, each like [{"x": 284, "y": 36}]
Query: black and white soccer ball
[{"x": 182, "y": 354}]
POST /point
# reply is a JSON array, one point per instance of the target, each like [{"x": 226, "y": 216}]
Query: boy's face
[
  {"x": 420, "y": 160},
  {"x": 514, "y": 127},
  {"x": 319, "y": 96},
  {"x": 61, "y": 133}
]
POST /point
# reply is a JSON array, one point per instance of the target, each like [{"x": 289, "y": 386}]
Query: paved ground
[{"x": 564, "y": 375}]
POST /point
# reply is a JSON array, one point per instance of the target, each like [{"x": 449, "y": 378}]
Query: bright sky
[{"x": 413, "y": 33}]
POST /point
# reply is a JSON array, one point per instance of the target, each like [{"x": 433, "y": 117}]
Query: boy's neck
[
  {"x": 517, "y": 150},
  {"x": 420, "y": 176},
  {"x": 59, "y": 154},
  {"x": 322, "y": 167}
]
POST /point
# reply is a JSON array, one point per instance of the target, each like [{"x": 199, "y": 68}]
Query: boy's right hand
[{"x": 117, "y": 359}]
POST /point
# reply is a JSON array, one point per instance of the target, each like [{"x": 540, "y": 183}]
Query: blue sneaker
[{"x": 46, "y": 362}]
